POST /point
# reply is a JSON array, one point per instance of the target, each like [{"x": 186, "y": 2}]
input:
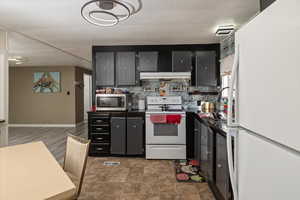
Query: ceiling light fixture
[
  {"x": 108, "y": 12},
  {"x": 225, "y": 30},
  {"x": 18, "y": 60}
]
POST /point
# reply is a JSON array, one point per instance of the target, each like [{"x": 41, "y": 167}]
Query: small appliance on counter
[
  {"x": 112, "y": 102},
  {"x": 141, "y": 104},
  {"x": 208, "y": 107}
]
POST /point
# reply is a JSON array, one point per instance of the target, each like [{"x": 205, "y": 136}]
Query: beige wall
[{"x": 27, "y": 107}]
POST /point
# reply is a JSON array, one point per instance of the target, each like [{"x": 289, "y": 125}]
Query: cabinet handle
[
  {"x": 99, "y": 129},
  {"x": 117, "y": 126},
  {"x": 99, "y": 138},
  {"x": 134, "y": 126},
  {"x": 99, "y": 121},
  {"x": 99, "y": 149},
  {"x": 219, "y": 165},
  {"x": 195, "y": 130}
]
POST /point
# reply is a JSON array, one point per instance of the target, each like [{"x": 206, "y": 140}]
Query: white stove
[{"x": 165, "y": 140}]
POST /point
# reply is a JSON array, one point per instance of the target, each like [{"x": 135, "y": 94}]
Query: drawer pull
[
  {"x": 99, "y": 121},
  {"x": 117, "y": 126},
  {"x": 99, "y": 138},
  {"x": 99, "y": 149},
  {"x": 99, "y": 129},
  {"x": 219, "y": 166},
  {"x": 134, "y": 126}
]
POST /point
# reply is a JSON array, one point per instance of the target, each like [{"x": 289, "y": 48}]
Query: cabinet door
[
  {"x": 206, "y": 68},
  {"x": 135, "y": 136},
  {"x": 206, "y": 161},
  {"x": 125, "y": 69},
  {"x": 118, "y": 135},
  {"x": 148, "y": 61},
  {"x": 197, "y": 141},
  {"x": 182, "y": 61},
  {"x": 105, "y": 69},
  {"x": 222, "y": 179}
]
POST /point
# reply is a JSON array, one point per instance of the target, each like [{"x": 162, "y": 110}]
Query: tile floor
[{"x": 138, "y": 179}]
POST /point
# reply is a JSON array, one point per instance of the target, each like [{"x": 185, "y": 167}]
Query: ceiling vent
[{"x": 225, "y": 30}]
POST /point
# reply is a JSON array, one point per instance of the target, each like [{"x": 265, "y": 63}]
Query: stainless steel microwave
[{"x": 111, "y": 102}]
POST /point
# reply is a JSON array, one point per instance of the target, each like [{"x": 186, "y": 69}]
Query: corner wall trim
[{"x": 44, "y": 125}]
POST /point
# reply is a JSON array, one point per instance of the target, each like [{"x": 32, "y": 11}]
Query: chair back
[{"x": 76, "y": 158}]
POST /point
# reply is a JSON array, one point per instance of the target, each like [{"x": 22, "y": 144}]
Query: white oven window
[{"x": 165, "y": 129}]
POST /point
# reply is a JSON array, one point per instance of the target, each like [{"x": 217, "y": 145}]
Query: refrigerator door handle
[
  {"x": 231, "y": 87},
  {"x": 232, "y": 171}
]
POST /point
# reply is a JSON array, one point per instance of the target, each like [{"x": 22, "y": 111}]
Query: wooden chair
[{"x": 75, "y": 160}]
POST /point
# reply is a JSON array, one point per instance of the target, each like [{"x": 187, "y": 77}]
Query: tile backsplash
[{"x": 171, "y": 88}]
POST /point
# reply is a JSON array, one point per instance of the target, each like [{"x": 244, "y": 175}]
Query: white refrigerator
[{"x": 265, "y": 162}]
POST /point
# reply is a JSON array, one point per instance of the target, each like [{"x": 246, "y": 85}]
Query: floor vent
[{"x": 109, "y": 163}]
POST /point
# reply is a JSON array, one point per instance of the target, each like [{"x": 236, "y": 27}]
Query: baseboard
[{"x": 44, "y": 125}]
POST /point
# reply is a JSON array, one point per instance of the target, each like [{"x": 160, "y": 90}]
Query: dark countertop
[
  {"x": 219, "y": 126},
  {"x": 128, "y": 113}
]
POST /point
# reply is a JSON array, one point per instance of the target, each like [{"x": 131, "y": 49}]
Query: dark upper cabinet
[
  {"x": 148, "y": 61},
  {"x": 222, "y": 172},
  {"x": 105, "y": 69},
  {"x": 164, "y": 61},
  {"x": 206, "y": 71},
  {"x": 182, "y": 61},
  {"x": 125, "y": 69},
  {"x": 118, "y": 135},
  {"x": 135, "y": 136}
]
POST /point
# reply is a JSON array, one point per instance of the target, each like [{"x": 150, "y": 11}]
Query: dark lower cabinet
[
  {"x": 222, "y": 175},
  {"x": 135, "y": 136},
  {"x": 197, "y": 140},
  {"x": 210, "y": 150},
  {"x": 118, "y": 135},
  {"x": 99, "y": 134},
  {"x": 206, "y": 157}
]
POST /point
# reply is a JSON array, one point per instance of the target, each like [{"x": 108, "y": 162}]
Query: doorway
[{"x": 87, "y": 81}]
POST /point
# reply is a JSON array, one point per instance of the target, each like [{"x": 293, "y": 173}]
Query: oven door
[
  {"x": 157, "y": 133},
  {"x": 111, "y": 102}
]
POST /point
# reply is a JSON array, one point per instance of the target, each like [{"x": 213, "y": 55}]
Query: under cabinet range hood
[{"x": 165, "y": 75}]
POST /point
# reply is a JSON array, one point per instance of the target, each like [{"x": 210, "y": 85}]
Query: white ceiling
[{"x": 58, "y": 22}]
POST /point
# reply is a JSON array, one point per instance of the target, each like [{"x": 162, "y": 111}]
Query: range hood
[{"x": 165, "y": 75}]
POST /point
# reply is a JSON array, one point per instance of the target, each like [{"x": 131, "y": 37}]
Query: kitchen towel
[
  {"x": 173, "y": 119},
  {"x": 158, "y": 119}
]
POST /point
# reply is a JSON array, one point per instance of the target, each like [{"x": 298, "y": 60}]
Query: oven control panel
[{"x": 175, "y": 100}]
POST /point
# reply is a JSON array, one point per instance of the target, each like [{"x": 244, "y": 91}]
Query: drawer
[
  {"x": 99, "y": 120},
  {"x": 100, "y": 129},
  {"x": 96, "y": 148},
  {"x": 100, "y": 138}
]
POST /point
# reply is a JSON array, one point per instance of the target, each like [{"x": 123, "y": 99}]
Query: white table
[{"x": 29, "y": 171}]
